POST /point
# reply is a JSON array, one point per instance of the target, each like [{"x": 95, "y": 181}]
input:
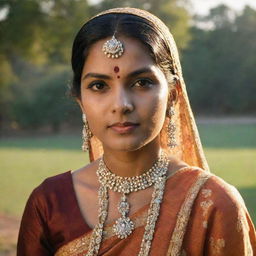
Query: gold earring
[
  {"x": 86, "y": 134},
  {"x": 171, "y": 141}
]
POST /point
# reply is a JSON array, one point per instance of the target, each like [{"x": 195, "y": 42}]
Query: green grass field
[{"x": 25, "y": 162}]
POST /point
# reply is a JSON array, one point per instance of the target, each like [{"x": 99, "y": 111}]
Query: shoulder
[
  {"x": 193, "y": 175},
  {"x": 213, "y": 185},
  {"x": 212, "y": 190},
  {"x": 220, "y": 201},
  {"x": 53, "y": 183},
  {"x": 224, "y": 194},
  {"x": 216, "y": 201},
  {"x": 86, "y": 175},
  {"x": 50, "y": 188},
  {"x": 220, "y": 219}
]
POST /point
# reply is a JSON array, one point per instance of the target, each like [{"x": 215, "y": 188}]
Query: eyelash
[
  {"x": 149, "y": 84},
  {"x": 148, "y": 81},
  {"x": 92, "y": 86}
]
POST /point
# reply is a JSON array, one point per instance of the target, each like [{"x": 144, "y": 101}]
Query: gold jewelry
[
  {"x": 155, "y": 176},
  {"x": 171, "y": 129},
  {"x": 86, "y": 134},
  {"x": 113, "y": 48}
]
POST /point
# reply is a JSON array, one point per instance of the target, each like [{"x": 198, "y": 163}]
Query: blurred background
[{"x": 40, "y": 124}]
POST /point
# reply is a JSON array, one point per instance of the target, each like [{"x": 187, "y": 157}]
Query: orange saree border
[{"x": 183, "y": 216}]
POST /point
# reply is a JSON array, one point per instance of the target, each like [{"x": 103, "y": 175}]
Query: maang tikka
[
  {"x": 113, "y": 48},
  {"x": 86, "y": 134},
  {"x": 171, "y": 129}
]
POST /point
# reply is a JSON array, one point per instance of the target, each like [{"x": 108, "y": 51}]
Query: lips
[{"x": 123, "y": 128}]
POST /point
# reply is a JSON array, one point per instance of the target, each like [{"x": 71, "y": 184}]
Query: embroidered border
[
  {"x": 183, "y": 215},
  {"x": 81, "y": 244},
  {"x": 217, "y": 245}
]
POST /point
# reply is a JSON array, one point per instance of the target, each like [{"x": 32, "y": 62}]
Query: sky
[{"x": 203, "y": 6}]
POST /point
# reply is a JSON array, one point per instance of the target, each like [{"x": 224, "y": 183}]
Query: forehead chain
[
  {"x": 164, "y": 30},
  {"x": 113, "y": 48}
]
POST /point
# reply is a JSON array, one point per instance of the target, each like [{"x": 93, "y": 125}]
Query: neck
[{"x": 132, "y": 163}]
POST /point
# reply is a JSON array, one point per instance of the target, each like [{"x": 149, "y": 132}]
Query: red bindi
[
  {"x": 118, "y": 76},
  {"x": 116, "y": 69}
]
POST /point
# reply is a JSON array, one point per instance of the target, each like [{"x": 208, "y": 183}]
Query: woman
[{"x": 144, "y": 192}]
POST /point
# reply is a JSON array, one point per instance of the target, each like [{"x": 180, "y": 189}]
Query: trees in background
[
  {"x": 48, "y": 104},
  {"x": 173, "y": 12},
  {"x": 36, "y": 39},
  {"x": 219, "y": 63}
]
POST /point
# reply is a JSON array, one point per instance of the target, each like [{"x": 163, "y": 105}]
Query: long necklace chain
[
  {"x": 97, "y": 232},
  {"x": 124, "y": 226}
]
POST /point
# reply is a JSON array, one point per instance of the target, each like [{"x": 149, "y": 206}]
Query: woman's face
[{"x": 124, "y": 99}]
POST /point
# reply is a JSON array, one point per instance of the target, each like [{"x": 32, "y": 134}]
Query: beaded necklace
[{"x": 124, "y": 226}]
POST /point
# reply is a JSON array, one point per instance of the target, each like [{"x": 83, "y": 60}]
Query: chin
[{"x": 127, "y": 145}]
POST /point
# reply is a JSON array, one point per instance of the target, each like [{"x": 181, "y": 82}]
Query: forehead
[{"x": 135, "y": 56}]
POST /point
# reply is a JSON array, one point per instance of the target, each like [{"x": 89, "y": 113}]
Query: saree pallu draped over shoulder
[{"x": 194, "y": 220}]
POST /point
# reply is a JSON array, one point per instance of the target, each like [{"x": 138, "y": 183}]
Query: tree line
[{"x": 217, "y": 54}]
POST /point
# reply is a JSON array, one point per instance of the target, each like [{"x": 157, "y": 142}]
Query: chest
[{"x": 88, "y": 202}]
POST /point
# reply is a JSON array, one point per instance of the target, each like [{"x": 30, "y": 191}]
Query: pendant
[
  {"x": 113, "y": 48},
  {"x": 124, "y": 225}
]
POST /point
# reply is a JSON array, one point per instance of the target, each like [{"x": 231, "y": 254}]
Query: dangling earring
[
  {"x": 87, "y": 134},
  {"x": 171, "y": 141}
]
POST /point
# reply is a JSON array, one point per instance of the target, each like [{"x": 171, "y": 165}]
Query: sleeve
[
  {"x": 32, "y": 239},
  {"x": 220, "y": 224},
  {"x": 230, "y": 232}
]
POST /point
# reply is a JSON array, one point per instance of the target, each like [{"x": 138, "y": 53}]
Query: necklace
[{"x": 124, "y": 226}]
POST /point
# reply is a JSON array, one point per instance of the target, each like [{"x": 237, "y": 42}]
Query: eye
[
  {"x": 143, "y": 83},
  {"x": 97, "y": 86}
]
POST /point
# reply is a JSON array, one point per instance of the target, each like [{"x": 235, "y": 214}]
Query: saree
[
  {"x": 196, "y": 218},
  {"x": 200, "y": 213}
]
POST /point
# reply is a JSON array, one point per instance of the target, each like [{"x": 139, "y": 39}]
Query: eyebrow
[
  {"x": 96, "y": 75},
  {"x": 130, "y": 75},
  {"x": 140, "y": 71}
]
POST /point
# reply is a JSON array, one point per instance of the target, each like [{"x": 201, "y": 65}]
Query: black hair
[{"x": 127, "y": 25}]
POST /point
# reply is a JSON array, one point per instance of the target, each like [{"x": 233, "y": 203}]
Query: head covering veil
[{"x": 189, "y": 148}]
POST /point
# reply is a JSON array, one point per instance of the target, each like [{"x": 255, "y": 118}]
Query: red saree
[{"x": 200, "y": 215}]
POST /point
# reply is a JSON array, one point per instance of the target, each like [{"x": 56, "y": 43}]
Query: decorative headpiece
[{"x": 113, "y": 48}]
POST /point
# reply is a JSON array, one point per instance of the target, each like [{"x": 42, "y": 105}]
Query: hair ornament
[{"x": 113, "y": 48}]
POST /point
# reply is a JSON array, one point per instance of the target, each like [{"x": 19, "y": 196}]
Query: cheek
[
  {"x": 92, "y": 110},
  {"x": 159, "y": 112},
  {"x": 95, "y": 122},
  {"x": 154, "y": 108}
]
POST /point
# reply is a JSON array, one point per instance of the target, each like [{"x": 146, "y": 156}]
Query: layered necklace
[{"x": 124, "y": 226}]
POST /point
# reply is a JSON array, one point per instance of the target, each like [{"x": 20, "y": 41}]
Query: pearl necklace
[{"x": 124, "y": 226}]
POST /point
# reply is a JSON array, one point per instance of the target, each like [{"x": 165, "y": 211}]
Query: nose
[{"x": 122, "y": 101}]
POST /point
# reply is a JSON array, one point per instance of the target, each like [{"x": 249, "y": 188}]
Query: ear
[
  {"x": 174, "y": 91},
  {"x": 173, "y": 96}
]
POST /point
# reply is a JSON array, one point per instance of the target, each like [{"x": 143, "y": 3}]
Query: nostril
[{"x": 122, "y": 100}]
